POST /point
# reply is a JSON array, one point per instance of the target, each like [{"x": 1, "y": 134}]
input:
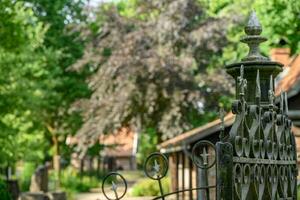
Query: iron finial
[
  {"x": 253, "y": 26},
  {"x": 156, "y": 167},
  {"x": 253, "y": 30},
  {"x": 271, "y": 91},
  {"x": 242, "y": 81}
]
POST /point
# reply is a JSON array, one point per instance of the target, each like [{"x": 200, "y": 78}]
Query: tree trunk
[
  {"x": 56, "y": 158},
  {"x": 56, "y": 154},
  {"x": 81, "y": 168}
]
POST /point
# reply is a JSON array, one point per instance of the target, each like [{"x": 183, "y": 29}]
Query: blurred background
[{"x": 88, "y": 87}]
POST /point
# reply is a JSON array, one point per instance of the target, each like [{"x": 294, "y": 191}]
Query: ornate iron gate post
[{"x": 257, "y": 160}]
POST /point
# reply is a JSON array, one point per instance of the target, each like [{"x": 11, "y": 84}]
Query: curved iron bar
[
  {"x": 157, "y": 169},
  {"x": 114, "y": 186},
  {"x": 185, "y": 190}
]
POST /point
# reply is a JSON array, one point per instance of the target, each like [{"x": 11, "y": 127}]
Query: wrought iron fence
[
  {"x": 257, "y": 158},
  {"x": 156, "y": 168}
]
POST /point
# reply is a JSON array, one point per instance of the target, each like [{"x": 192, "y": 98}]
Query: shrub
[
  {"x": 25, "y": 178},
  {"x": 148, "y": 187},
  {"x": 4, "y": 194},
  {"x": 71, "y": 181}
]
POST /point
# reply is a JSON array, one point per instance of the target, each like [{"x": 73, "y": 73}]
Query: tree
[
  {"x": 62, "y": 86},
  {"x": 279, "y": 19},
  {"x": 21, "y": 65},
  {"x": 39, "y": 41},
  {"x": 153, "y": 68}
]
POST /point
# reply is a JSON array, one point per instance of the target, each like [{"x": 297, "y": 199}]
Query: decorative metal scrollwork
[
  {"x": 112, "y": 180},
  {"x": 263, "y": 146},
  {"x": 270, "y": 164},
  {"x": 156, "y": 168},
  {"x": 201, "y": 156},
  {"x": 256, "y": 159}
]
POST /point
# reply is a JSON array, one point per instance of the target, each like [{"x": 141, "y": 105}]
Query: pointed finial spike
[
  {"x": 114, "y": 186},
  {"x": 156, "y": 166},
  {"x": 253, "y": 30},
  {"x": 253, "y": 20},
  {"x": 271, "y": 91},
  {"x": 242, "y": 81},
  {"x": 258, "y": 90},
  {"x": 253, "y": 26}
]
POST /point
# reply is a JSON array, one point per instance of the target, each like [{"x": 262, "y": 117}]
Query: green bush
[
  {"x": 25, "y": 178},
  {"x": 148, "y": 187},
  {"x": 72, "y": 182},
  {"x": 147, "y": 144},
  {"x": 4, "y": 194}
]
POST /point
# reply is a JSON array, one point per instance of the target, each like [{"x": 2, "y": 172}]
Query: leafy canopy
[{"x": 152, "y": 68}]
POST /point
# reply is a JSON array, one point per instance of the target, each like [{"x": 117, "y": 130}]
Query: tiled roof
[{"x": 198, "y": 133}]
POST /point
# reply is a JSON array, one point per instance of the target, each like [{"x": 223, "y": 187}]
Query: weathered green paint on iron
[
  {"x": 255, "y": 61},
  {"x": 263, "y": 162}
]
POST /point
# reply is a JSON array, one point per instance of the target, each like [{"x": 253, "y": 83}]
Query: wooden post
[
  {"x": 177, "y": 175},
  {"x": 173, "y": 171},
  {"x": 190, "y": 178},
  {"x": 183, "y": 166}
]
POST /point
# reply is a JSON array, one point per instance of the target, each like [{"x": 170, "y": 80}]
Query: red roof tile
[
  {"x": 291, "y": 77},
  {"x": 208, "y": 128}
]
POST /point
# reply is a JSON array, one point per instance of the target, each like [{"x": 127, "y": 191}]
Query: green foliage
[
  {"x": 95, "y": 149},
  {"x": 279, "y": 18},
  {"x": 148, "y": 187},
  {"x": 150, "y": 77},
  {"x": 4, "y": 194},
  {"x": 62, "y": 86},
  {"x": 21, "y": 65},
  {"x": 73, "y": 182},
  {"x": 38, "y": 42},
  {"x": 148, "y": 141},
  {"x": 26, "y": 173}
]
